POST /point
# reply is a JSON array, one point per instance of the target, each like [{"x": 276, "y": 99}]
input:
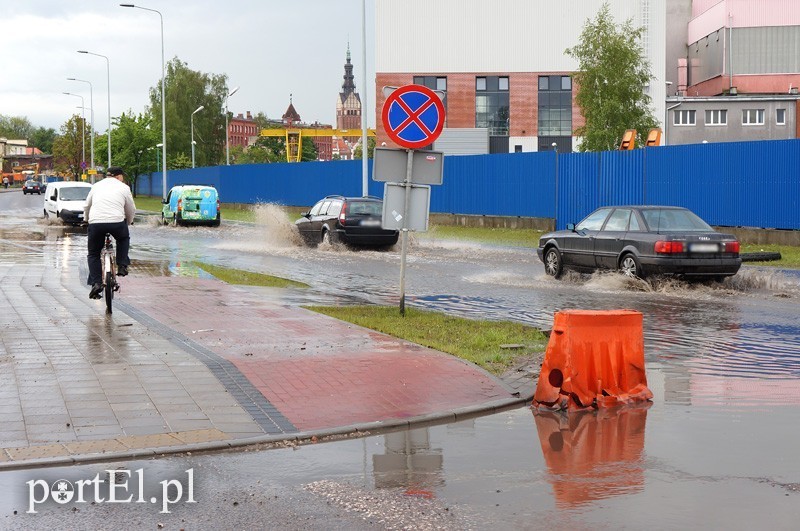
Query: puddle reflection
[
  {"x": 593, "y": 455},
  {"x": 409, "y": 462}
]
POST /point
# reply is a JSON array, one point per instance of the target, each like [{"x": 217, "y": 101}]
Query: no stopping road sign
[{"x": 413, "y": 116}]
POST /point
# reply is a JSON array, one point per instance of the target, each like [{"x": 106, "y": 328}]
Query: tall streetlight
[
  {"x": 195, "y": 112},
  {"x": 227, "y": 134},
  {"x": 91, "y": 108},
  {"x": 163, "y": 108},
  {"x": 108, "y": 77},
  {"x": 83, "y": 136},
  {"x": 364, "y": 149}
]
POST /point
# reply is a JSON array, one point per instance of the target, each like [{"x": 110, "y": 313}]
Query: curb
[{"x": 299, "y": 438}]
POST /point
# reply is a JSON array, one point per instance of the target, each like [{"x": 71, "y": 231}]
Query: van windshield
[{"x": 74, "y": 193}]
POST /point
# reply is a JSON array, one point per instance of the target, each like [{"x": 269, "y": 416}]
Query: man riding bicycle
[{"x": 109, "y": 210}]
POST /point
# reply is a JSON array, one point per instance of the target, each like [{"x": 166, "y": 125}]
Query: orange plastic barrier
[{"x": 593, "y": 359}]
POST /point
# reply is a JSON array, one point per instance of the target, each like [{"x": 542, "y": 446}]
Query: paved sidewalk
[{"x": 187, "y": 363}]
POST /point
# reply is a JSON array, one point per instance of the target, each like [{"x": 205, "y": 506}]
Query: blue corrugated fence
[{"x": 751, "y": 184}]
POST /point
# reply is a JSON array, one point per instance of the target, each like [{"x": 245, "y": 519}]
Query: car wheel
[
  {"x": 175, "y": 220},
  {"x": 326, "y": 237},
  {"x": 164, "y": 220},
  {"x": 217, "y": 221},
  {"x": 553, "y": 265},
  {"x": 46, "y": 215},
  {"x": 629, "y": 266}
]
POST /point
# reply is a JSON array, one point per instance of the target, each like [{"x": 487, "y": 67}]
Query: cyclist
[{"x": 109, "y": 210}]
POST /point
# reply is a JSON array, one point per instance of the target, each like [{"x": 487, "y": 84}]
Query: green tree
[
  {"x": 15, "y": 127},
  {"x": 186, "y": 90},
  {"x": 42, "y": 138},
  {"x": 611, "y": 80},
  {"x": 370, "y": 149},
  {"x": 131, "y": 137},
  {"x": 68, "y": 148}
]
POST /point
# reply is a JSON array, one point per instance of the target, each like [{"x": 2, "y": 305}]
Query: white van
[{"x": 65, "y": 200}]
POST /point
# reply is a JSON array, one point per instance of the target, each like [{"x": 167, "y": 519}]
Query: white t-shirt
[{"x": 109, "y": 201}]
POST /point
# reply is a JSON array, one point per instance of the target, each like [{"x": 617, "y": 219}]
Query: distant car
[
  {"x": 641, "y": 241},
  {"x": 32, "y": 187},
  {"x": 66, "y": 200},
  {"x": 349, "y": 220},
  {"x": 191, "y": 204}
]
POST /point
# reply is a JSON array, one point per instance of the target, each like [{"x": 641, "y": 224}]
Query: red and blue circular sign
[{"x": 413, "y": 116}]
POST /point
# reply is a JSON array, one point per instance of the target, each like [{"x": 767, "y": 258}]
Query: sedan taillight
[
  {"x": 668, "y": 247},
  {"x": 732, "y": 247}
]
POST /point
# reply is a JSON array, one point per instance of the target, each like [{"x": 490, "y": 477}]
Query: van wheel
[
  {"x": 164, "y": 220},
  {"x": 46, "y": 215},
  {"x": 216, "y": 222},
  {"x": 175, "y": 220},
  {"x": 629, "y": 266}
]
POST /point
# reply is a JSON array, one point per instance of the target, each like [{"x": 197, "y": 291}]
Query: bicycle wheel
[{"x": 109, "y": 289}]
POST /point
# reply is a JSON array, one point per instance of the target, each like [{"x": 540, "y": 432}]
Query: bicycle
[{"x": 109, "y": 271}]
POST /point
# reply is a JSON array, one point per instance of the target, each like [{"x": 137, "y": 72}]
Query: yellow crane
[{"x": 294, "y": 137}]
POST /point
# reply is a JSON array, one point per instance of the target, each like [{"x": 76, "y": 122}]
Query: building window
[
  {"x": 435, "y": 83},
  {"x": 717, "y": 117},
  {"x": 753, "y": 117},
  {"x": 780, "y": 116},
  {"x": 555, "y": 106},
  {"x": 683, "y": 117},
  {"x": 492, "y": 104}
]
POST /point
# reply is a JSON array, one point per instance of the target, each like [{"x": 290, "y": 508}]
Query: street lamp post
[
  {"x": 227, "y": 134},
  {"x": 364, "y": 146},
  {"x": 108, "y": 77},
  {"x": 163, "y": 108},
  {"x": 83, "y": 136},
  {"x": 91, "y": 108},
  {"x": 195, "y": 112}
]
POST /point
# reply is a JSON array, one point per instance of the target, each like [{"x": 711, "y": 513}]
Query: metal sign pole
[{"x": 404, "y": 244}]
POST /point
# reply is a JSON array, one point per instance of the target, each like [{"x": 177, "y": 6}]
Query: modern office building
[{"x": 503, "y": 67}]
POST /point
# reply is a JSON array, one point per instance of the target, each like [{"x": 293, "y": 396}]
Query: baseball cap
[{"x": 113, "y": 171}]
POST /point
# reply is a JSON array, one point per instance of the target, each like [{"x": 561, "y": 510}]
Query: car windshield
[
  {"x": 674, "y": 219},
  {"x": 75, "y": 193},
  {"x": 364, "y": 208}
]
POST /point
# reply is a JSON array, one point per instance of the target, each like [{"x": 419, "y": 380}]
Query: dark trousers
[{"x": 97, "y": 239}]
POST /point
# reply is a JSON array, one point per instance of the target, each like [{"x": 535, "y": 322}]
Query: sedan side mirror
[
  {"x": 571, "y": 226},
  {"x": 306, "y": 214}
]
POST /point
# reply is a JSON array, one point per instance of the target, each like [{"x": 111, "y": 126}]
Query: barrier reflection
[{"x": 593, "y": 455}]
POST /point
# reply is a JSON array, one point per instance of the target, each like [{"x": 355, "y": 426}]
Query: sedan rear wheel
[
  {"x": 552, "y": 262},
  {"x": 630, "y": 266},
  {"x": 326, "y": 237}
]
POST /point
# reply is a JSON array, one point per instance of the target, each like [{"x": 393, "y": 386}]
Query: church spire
[{"x": 349, "y": 85}]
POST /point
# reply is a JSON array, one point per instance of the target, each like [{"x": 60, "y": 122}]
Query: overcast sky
[{"x": 268, "y": 48}]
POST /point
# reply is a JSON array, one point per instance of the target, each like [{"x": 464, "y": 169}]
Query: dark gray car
[
  {"x": 640, "y": 241},
  {"x": 349, "y": 220}
]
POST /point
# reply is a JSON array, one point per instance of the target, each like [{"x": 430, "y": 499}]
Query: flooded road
[{"x": 717, "y": 447}]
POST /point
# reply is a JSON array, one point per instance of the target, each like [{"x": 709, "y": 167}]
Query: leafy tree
[
  {"x": 131, "y": 137},
  {"x": 68, "y": 148},
  {"x": 186, "y": 90},
  {"x": 181, "y": 161},
  {"x": 15, "y": 127},
  {"x": 42, "y": 138},
  {"x": 611, "y": 80},
  {"x": 370, "y": 149}
]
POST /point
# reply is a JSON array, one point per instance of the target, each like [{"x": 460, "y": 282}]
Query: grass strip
[
  {"x": 480, "y": 342},
  {"x": 247, "y": 278}
]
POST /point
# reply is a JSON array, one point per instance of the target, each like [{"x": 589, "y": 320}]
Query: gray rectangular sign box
[
  {"x": 390, "y": 165},
  {"x": 419, "y": 204}
]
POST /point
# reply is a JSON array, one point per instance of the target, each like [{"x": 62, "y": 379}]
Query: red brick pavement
[{"x": 318, "y": 371}]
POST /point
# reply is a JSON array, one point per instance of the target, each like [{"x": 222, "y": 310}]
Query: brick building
[{"x": 242, "y": 130}]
